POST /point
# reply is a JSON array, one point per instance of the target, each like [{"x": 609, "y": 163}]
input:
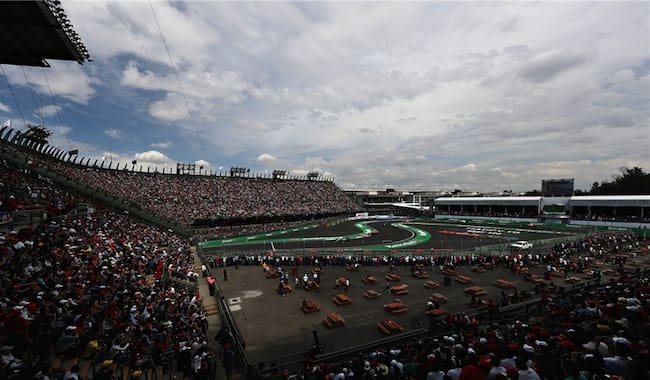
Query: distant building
[
  {"x": 557, "y": 187},
  {"x": 392, "y": 200},
  {"x": 605, "y": 210}
]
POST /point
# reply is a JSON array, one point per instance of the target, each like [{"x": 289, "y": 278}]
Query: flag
[{"x": 6, "y": 124}]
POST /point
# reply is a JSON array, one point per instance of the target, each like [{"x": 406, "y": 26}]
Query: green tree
[{"x": 631, "y": 181}]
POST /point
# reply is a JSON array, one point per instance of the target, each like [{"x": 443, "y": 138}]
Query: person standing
[
  {"x": 225, "y": 275},
  {"x": 228, "y": 361}
]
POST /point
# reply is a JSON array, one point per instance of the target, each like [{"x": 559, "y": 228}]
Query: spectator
[{"x": 73, "y": 374}]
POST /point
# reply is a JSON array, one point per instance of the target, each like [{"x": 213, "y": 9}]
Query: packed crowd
[
  {"x": 95, "y": 286},
  {"x": 20, "y": 189},
  {"x": 213, "y": 197}
]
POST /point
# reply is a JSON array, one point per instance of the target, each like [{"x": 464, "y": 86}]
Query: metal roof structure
[
  {"x": 588, "y": 200},
  {"x": 611, "y": 200},
  {"x": 32, "y": 31},
  {"x": 520, "y": 201}
]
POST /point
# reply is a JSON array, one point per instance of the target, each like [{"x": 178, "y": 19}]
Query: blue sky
[{"x": 423, "y": 95}]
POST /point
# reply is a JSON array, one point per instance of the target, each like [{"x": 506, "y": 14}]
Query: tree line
[{"x": 630, "y": 181}]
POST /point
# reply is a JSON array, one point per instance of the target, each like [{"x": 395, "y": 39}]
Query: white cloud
[
  {"x": 225, "y": 85},
  {"x": 60, "y": 130},
  {"x": 266, "y": 158},
  {"x": 3, "y": 107},
  {"x": 172, "y": 108},
  {"x": 205, "y": 164},
  {"x": 162, "y": 145},
  {"x": 468, "y": 168},
  {"x": 548, "y": 65},
  {"x": 68, "y": 80},
  {"x": 113, "y": 133},
  {"x": 152, "y": 156},
  {"x": 48, "y": 110},
  {"x": 113, "y": 28}
]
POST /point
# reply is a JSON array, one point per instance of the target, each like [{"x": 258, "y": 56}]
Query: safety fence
[
  {"x": 21, "y": 218},
  {"x": 228, "y": 326}
]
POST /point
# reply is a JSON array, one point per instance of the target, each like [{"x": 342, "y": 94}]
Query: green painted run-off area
[{"x": 419, "y": 236}]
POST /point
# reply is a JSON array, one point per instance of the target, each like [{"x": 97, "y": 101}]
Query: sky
[{"x": 477, "y": 96}]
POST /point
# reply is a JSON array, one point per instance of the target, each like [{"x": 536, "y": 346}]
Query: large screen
[{"x": 557, "y": 187}]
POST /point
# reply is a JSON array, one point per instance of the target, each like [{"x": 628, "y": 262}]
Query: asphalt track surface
[{"x": 443, "y": 236}]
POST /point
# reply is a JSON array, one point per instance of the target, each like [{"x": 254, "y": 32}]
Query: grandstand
[
  {"x": 215, "y": 199},
  {"x": 392, "y": 200},
  {"x": 518, "y": 207},
  {"x": 613, "y": 211}
]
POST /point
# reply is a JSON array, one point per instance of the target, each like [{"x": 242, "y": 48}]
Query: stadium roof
[
  {"x": 527, "y": 201},
  {"x": 611, "y": 200},
  {"x": 588, "y": 200},
  {"x": 32, "y": 31}
]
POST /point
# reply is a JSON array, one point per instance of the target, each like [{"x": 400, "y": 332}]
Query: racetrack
[{"x": 381, "y": 235}]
